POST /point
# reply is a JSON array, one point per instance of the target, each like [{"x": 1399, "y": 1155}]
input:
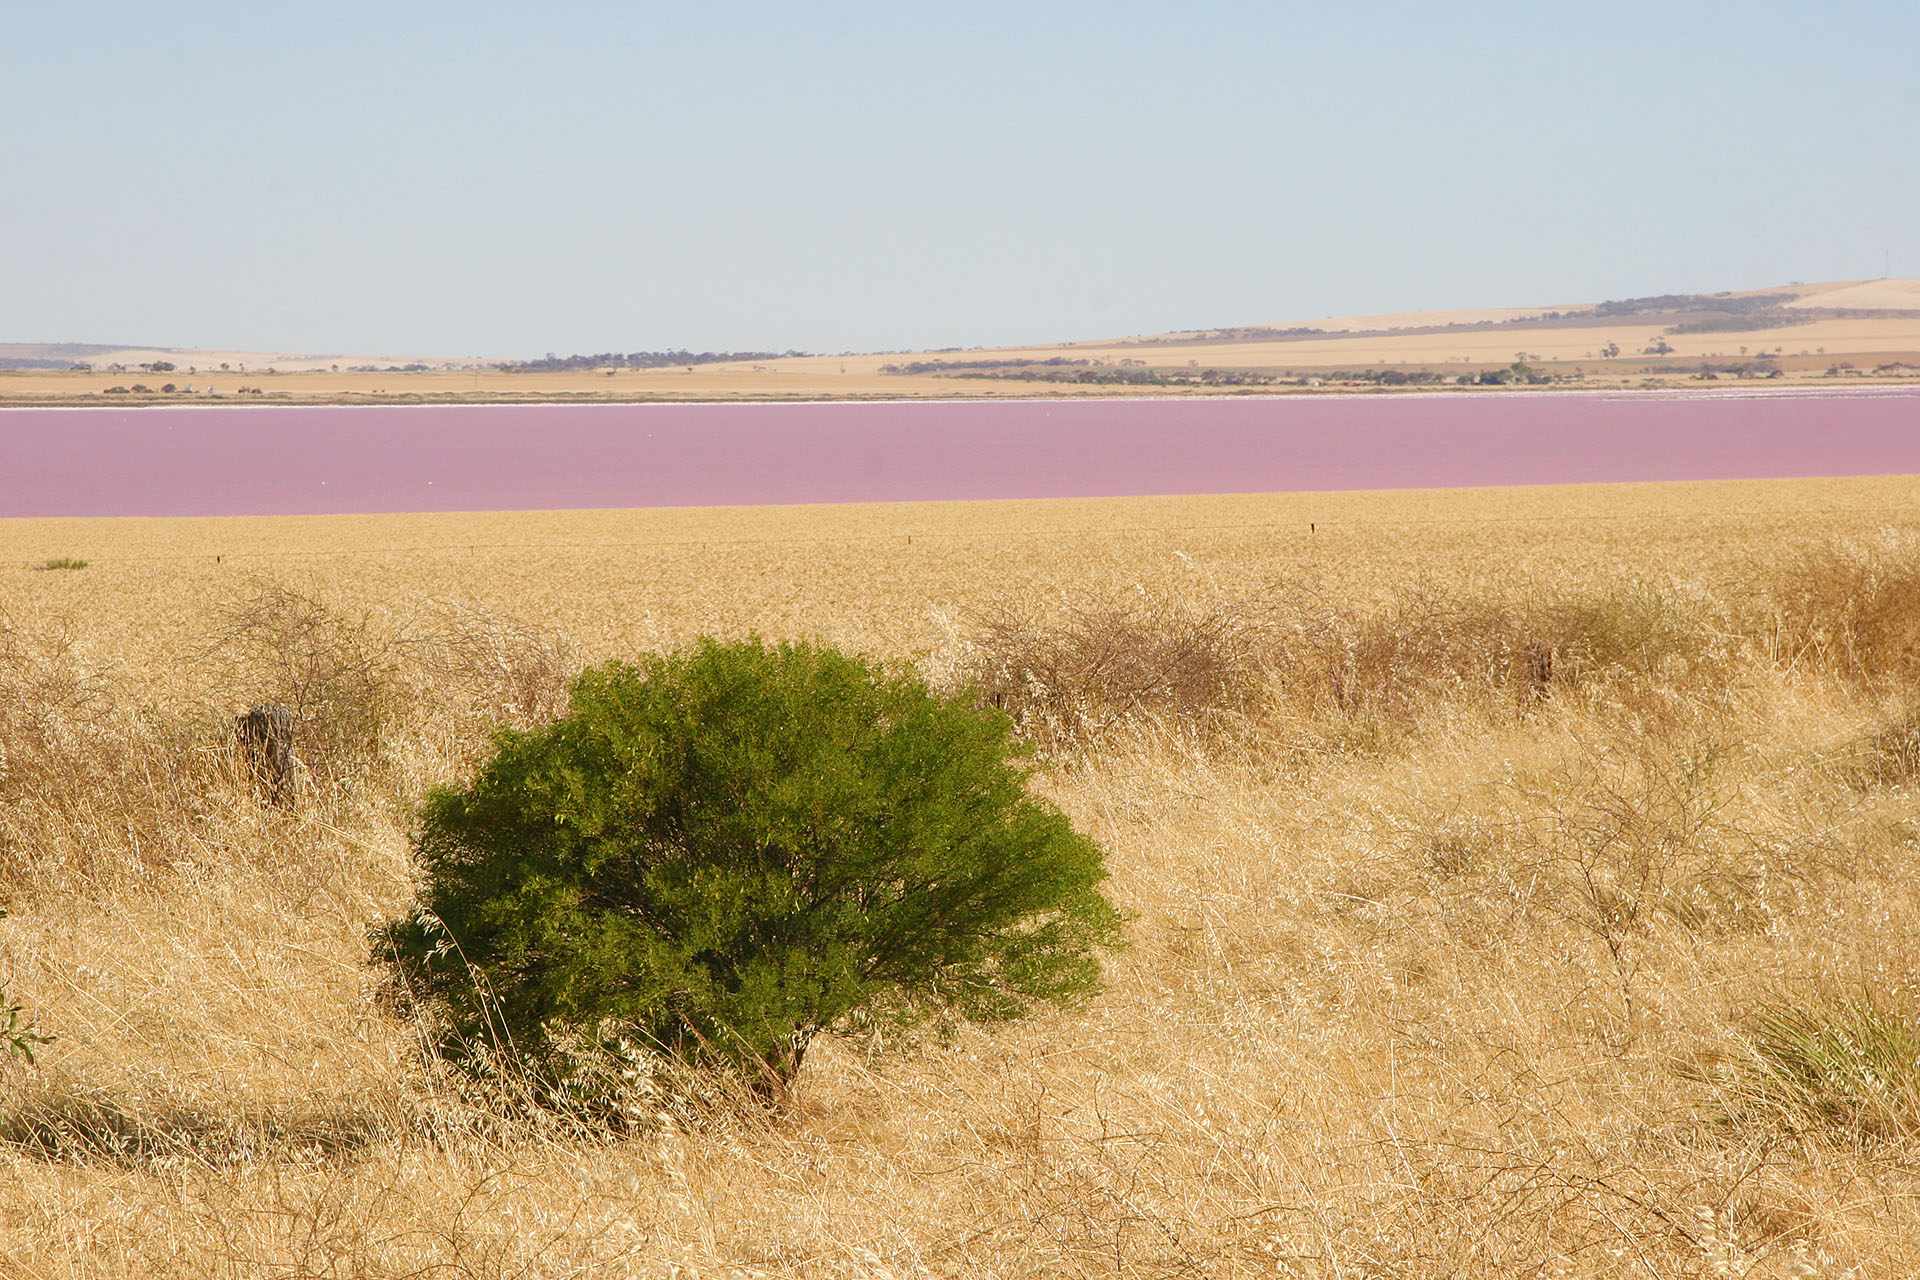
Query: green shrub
[
  {"x": 62, "y": 562},
  {"x": 722, "y": 852},
  {"x": 18, "y": 1036}
]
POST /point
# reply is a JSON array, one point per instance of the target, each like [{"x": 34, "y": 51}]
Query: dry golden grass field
[
  {"x": 1523, "y": 884},
  {"x": 1816, "y": 334}
]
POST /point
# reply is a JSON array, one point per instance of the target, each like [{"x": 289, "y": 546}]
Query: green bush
[{"x": 722, "y": 852}]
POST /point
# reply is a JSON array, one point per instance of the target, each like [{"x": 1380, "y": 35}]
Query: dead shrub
[
  {"x": 1609, "y": 863},
  {"x": 1359, "y": 677},
  {"x": 1070, "y": 680},
  {"x": 1645, "y": 842},
  {"x": 43, "y": 685},
  {"x": 1341, "y": 663},
  {"x": 1652, "y": 842},
  {"x": 336, "y": 672},
  {"x": 1636, "y": 633}
]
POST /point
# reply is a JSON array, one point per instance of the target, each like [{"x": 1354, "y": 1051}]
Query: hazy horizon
[{"x": 479, "y": 181}]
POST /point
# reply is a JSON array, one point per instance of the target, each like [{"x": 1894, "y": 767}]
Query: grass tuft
[
  {"x": 1848, "y": 1068},
  {"x": 61, "y": 1120}
]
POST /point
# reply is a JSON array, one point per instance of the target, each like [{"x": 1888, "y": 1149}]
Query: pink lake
[{"x": 221, "y": 460}]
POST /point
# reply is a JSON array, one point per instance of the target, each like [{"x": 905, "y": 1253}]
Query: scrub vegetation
[
  {"x": 1516, "y": 883},
  {"x": 717, "y": 856}
]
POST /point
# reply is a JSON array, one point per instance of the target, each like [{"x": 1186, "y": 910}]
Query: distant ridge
[
  {"x": 1848, "y": 328},
  {"x": 100, "y": 355}
]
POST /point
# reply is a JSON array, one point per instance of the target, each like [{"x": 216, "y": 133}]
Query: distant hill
[
  {"x": 66, "y": 355},
  {"x": 49, "y": 355},
  {"x": 1844, "y": 328},
  {"x": 1777, "y": 307},
  {"x": 1850, "y": 329},
  {"x": 1754, "y": 311}
]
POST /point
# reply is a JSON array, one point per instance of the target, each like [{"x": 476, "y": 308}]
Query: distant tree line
[
  {"x": 1517, "y": 373},
  {"x": 1108, "y": 375},
  {"x": 1742, "y": 322},
  {"x": 1244, "y": 333},
  {"x": 639, "y": 360},
  {"x": 1694, "y": 302},
  {"x": 976, "y": 366},
  {"x": 1083, "y": 372},
  {"x": 1710, "y": 370},
  {"x": 1092, "y": 373}
]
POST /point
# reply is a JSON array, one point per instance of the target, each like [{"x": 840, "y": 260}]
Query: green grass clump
[
  {"x": 1850, "y": 1069},
  {"x": 62, "y": 562}
]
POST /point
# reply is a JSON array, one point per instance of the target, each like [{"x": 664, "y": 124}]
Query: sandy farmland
[
  {"x": 1848, "y": 330},
  {"x": 1441, "y": 966}
]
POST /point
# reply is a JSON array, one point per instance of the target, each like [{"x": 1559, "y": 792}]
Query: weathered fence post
[
  {"x": 266, "y": 741},
  {"x": 1539, "y": 658}
]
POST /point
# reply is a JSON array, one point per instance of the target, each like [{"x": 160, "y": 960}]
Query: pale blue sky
[{"x": 508, "y": 179}]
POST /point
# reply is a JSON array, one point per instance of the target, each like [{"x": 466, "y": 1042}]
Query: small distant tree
[{"x": 723, "y": 852}]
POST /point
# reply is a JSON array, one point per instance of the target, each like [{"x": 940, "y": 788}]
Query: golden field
[
  {"x": 1478, "y": 881},
  {"x": 1845, "y": 330}
]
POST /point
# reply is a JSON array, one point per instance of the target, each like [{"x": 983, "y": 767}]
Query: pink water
[{"x": 203, "y": 460}]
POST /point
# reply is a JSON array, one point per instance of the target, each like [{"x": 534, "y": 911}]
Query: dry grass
[
  {"x": 1523, "y": 880},
  {"x": 1074, "y": 675},
  {"x": 1071, "y": 682},
  {"x": 1852, "y": 607}
]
